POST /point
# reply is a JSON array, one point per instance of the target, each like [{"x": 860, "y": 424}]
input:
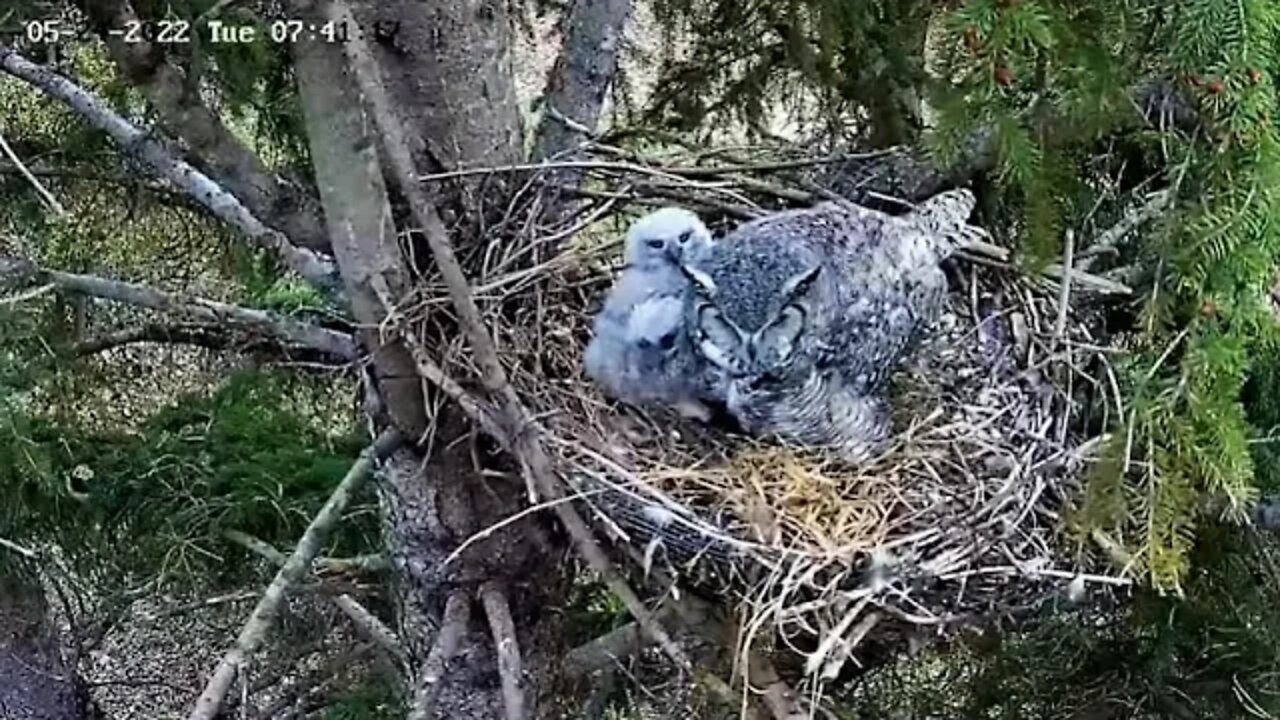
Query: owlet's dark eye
[
  {"x": 686, "y": 236},
  {"x": 668, "y": 341},
  {"x": 655, "y": 243}
]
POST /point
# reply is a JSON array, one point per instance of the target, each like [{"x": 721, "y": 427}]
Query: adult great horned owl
[
  {"x": 808, "y": 312},
  {"x": 640, "y": 349}
]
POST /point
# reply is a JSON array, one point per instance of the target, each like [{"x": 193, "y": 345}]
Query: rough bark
[
  {"x": 434, "y": 506},
  {"x": 38, "y": 681},
  {"x": 583, "y": 72},
  {"x": 448, "y": 65},
  {"x": 280, "y": 201},
  {"x": 358, "y": 215}
]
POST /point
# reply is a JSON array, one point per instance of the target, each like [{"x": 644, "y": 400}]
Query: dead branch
[
  {"x": 453, "y": 626},
  {"x": 212, "y": 196},
  {"x": 368, "y": 623},
  {"x": 299, "y": 562},
  {"x": 205, "y": 335},
  {"x": 498, "y": 610},
  {"x": 611, "y": 648},
  {"x": 1106, "y": 243},
  {"x": 511, "y": 421},
  {"x": 336, "y": 344},
  {"x": 372, "y": 628},
  {"x": 45, "y": 196}
]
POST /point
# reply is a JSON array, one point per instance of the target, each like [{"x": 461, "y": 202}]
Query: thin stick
[
  {"x": 489, "y": 531},
  {"x": 457, "y": 616},
  {"x": 498, "y": 610},
  {"x": 15, "y": 547},
  {"x": 44, "y": 193},
  {"x": 299, "y": 562},
  {"x": 1064, "y": 290},
  {"x": 373, "y": 628}
]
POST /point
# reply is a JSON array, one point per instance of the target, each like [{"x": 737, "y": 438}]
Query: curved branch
[{"x": 151, "y": 151}]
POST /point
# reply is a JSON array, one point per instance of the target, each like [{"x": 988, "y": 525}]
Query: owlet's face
[{"x": 664, "y": 238}]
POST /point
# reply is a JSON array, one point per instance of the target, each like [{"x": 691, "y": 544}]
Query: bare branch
[
  {"x": 44, "y": 194},
  {"x": 336, "y": 344},
  {"x": 1105, "y": 243},
  {"x": 211, "y": 336},
  {"x": 453, "y": 626},
  {"x": 212, "y": 196},
  {"x": 255, "y": 629},
  {"x": 498, "y": 610},
  {"x": 174, "y": 92},
  {"x": 373, "y": 628},
  {"x": 512, "y": 424}
]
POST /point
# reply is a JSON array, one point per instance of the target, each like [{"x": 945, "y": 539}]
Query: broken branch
[
  {"x": 457, "y": 615},
  {"x": 498, "y": 611}
]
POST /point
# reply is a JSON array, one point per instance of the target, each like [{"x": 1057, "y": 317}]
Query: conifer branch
[{"x": 174, "y": 92}]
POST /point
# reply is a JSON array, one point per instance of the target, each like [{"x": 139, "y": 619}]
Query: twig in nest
[
  {"x": 255, "y": 629},
  {"x": 1107, "y": 241},
  {"x": 512, "y": 422},
  {"x": 1064, "y": 292},
  {"x": 453, "y": 626},
  {"x": 498, "y": 610}
]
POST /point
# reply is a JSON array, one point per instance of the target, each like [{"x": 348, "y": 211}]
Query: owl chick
[
  {"x": 808, "y": 312},
  {"x": 640, "y": 350}
]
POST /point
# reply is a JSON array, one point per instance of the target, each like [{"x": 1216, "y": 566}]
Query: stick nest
[{"x": 960, "y": 517}]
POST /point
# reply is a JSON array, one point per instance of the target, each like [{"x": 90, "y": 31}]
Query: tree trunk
[
  {"x": 283, "y": 203},
  {"x": 37, "y": 679},
  {"x": 435, "y": 504},
  {"x": 448, "y": 66}
]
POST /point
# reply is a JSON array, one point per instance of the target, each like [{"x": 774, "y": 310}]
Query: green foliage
[
  {"x": 246, "y": 457},
  {"x": 373, "y": 700},
  {"x": 823, "y": 58}
]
